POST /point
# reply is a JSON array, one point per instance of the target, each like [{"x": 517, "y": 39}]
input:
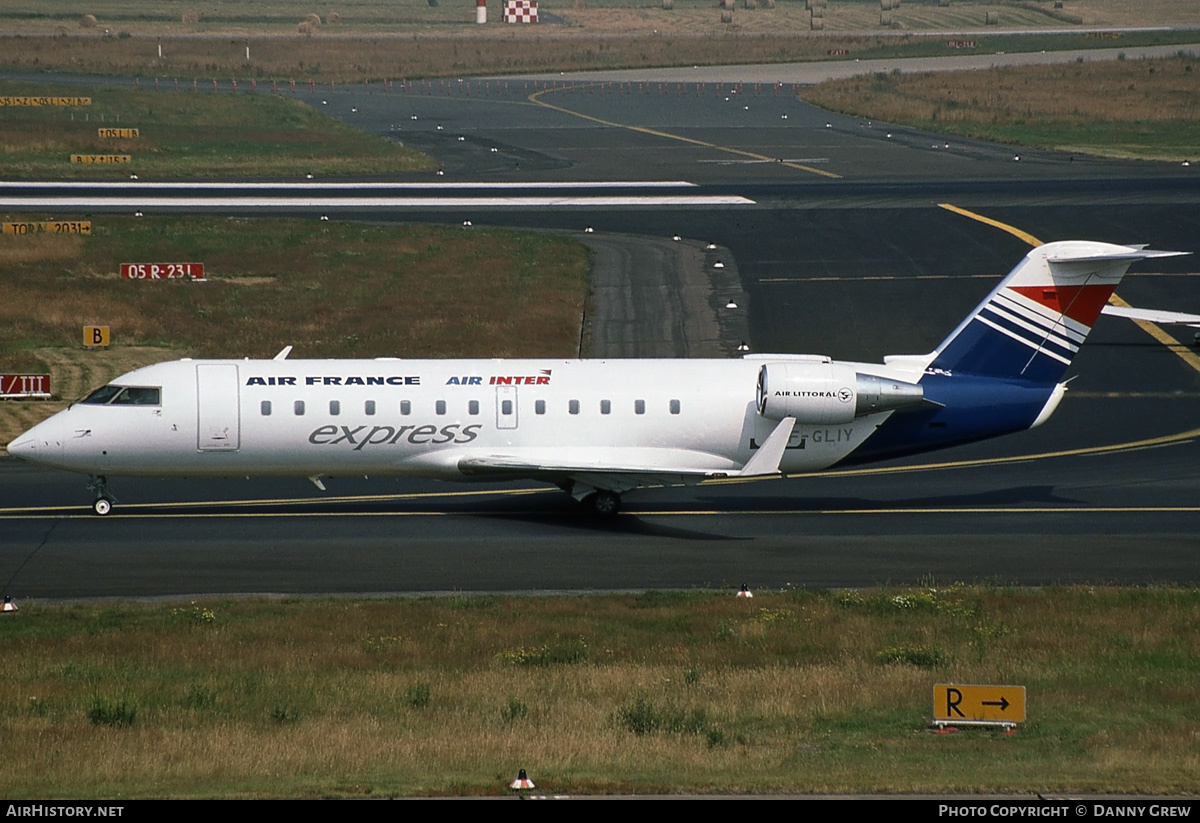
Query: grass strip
[
  {"x": 353, "y": 60},
  {"x": 1123, "y": 108},
  {"x": 793, "y": 691},
  {"x": 188, "y": 135}
]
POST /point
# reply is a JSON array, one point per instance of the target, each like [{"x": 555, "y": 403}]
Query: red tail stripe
[{"x": 1080, "y": 303}]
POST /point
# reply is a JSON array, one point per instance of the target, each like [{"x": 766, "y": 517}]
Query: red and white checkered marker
[
  {"x": 744, "y": 591},
  {"x": 522, "y": 782},
  {"x": 520, "y": 11}
]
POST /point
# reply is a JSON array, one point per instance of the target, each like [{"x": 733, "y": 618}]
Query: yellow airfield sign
[
  {"x": 978, "y": 704},
  {"x": 49, "y": 227},
  {"x": 45, "y": 101},
  {"x": 93, "y": 159},
  {"x": 95, "y": 336}
]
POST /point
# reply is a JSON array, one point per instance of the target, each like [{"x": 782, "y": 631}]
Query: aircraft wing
[
  {"x": 658, "y": 467},
  {"x": 1154, "y": 316},
  {"x": 616, "y": 478}
]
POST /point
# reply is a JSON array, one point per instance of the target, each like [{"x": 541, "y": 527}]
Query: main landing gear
[
  {"x": 602, "y": 503},
  {"x": 103, "y": 503}
]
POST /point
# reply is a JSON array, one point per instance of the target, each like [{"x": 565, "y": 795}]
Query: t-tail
[{"x": 1001, "y": 370}]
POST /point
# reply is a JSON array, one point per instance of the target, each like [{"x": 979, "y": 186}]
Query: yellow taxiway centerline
[{"x": 536, "y": 97}]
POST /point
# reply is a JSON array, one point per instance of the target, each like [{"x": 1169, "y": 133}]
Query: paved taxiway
[{"x": 857, "y": 266}]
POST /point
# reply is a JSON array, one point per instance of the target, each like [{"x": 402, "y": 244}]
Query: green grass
[
  {"x": 188, "y": 135},
  {"x": 786, "y": 692}
]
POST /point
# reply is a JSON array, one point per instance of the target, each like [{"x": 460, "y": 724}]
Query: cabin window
[
  {"x": 606, "y": 407},
  {"x": 639, "y": 406},
  {"x": 506, "y": 407},
  {"x": 406, "y": 407},
  {"x": 473, "y": 407},
  {"x": 298, "y": 408},
  {"x": 440, "y": 407},
  {"x": 573, "y": 407},
  {"x": 674, "y": 407},
  {"x": 335, "y": 407},
  {"x": 539, "y": 407},
  {"x": 265, "y": 408},
  {"x": 369, "y": 407}
]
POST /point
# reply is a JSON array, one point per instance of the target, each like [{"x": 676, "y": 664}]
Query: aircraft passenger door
[
  {"x": 218, "y": 423},
  {"x": 506, "y": 407}
]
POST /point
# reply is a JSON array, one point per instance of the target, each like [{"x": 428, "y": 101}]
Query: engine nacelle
[{"x": 828, "y": 393}]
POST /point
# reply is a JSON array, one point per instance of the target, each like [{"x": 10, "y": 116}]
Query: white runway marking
[
  {"x": 371, "y": 202},
  {"x": 310, "y": 186}
]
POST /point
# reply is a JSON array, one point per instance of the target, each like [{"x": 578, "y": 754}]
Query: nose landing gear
[{"x": 103, "y": 503}]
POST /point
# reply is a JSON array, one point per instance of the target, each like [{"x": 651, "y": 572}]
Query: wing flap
[{"x": 516, "y": 467}]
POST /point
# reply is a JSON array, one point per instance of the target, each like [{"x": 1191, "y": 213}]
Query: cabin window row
[{"x": 299, "y": 407}]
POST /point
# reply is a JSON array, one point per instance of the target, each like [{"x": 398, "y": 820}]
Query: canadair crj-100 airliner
[{"x": 595, "y": 428}]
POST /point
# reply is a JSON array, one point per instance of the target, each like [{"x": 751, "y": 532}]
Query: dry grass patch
[
  {"x": 161, "y": 17},
  {"x": 1140, "y": 108},
  {"x": 411, "y": 39}
]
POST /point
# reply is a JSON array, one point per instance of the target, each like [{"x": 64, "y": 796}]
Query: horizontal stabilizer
[
  {"x": 1154, "y": 315},
  {"x": 1131, "y": 254}
]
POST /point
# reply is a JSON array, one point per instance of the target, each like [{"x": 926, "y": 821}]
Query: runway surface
[{"x": 845, "y": 244}]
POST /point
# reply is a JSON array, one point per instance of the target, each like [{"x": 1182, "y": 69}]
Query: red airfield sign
[
  {"x": 24, "y": 385},
  {"x": 162, "y": 271}
]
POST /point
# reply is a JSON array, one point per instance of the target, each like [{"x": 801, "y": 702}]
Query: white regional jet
[{"x": 595, "y": 428}]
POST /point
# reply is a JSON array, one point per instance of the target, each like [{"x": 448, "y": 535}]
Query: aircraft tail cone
[{"x": 522, "y": 781}]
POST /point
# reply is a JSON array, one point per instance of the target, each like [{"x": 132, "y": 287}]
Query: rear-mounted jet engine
[{"x": 822, "y": 392}]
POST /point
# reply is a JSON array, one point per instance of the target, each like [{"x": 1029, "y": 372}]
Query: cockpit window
[
  {"x": 102, "y": 395},
  {"x": 139, "y": 396},
  {"x": 125, "y": 396}
]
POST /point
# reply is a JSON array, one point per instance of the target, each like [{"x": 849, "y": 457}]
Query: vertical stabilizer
[{"x": 1031, "y": 325}]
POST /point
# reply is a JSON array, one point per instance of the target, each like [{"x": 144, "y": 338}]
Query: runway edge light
[
  {"x": 522, "y": 782},
  {"x": 9, "y": 606}
]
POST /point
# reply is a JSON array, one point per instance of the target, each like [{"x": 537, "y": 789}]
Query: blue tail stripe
[
  {"x": 981, "y": 350},
  {"x": 1047, "y": 343}
]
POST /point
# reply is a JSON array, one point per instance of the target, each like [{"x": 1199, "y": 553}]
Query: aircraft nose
[
  {"x": 38, "y": 444},
  {"x": 24, "y": 447}
]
